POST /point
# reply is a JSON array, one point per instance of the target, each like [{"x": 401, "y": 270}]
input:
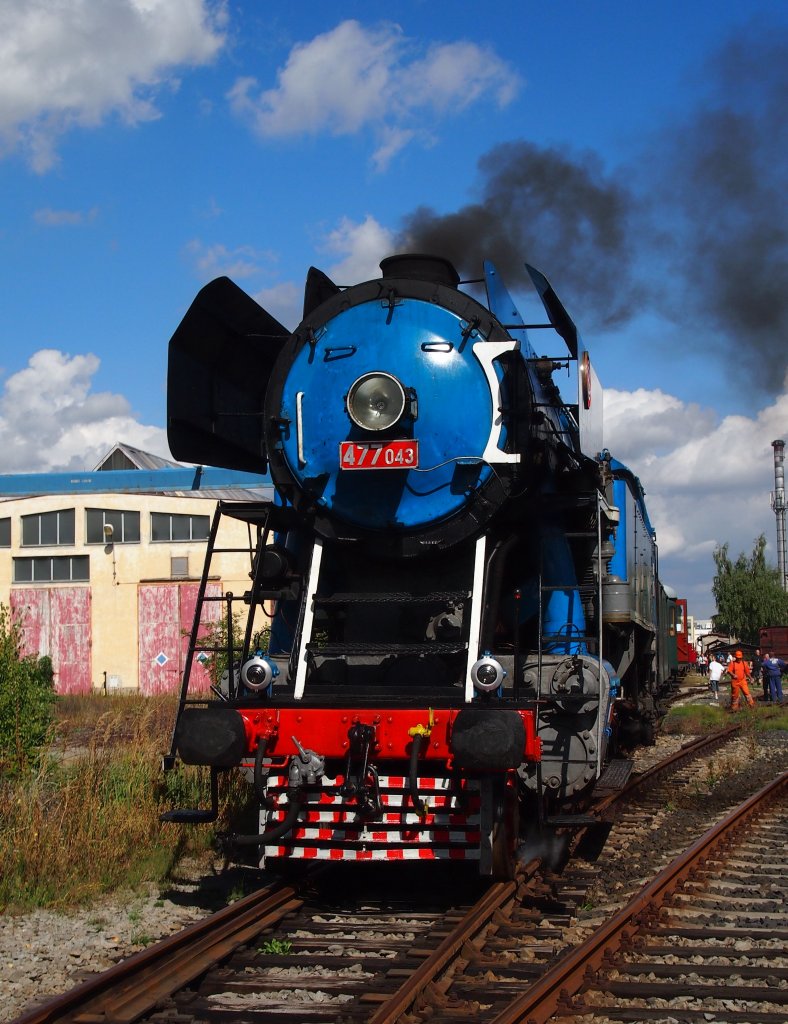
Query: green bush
[{"x": 27, "y": 700}]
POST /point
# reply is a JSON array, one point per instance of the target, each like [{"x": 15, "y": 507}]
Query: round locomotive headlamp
[
  {"x": 257, "y": 673},
  {"x": 376, "y": 401},
  {"x": 487, "y": 674}
]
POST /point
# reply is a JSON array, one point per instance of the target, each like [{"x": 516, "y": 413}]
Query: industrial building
[{"x": 105, "y": 582}]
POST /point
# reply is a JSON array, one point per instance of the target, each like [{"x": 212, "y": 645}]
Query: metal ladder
[{"x": 254, "y": 512}]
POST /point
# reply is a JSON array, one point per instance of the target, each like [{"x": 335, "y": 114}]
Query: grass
[
  {"x": 276, "y": 946},
  {"x": 700, "y": 719},
  {"x": 87, "y": 821}
]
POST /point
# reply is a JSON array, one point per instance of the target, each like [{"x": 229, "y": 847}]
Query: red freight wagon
[{"x": 775, "y": 639}]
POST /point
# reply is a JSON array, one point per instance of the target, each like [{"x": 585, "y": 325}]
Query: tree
[
  {"x": 748, "y": 594},
  {"x": 27, "y": 700}
]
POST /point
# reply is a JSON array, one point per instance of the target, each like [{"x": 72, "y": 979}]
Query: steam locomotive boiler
[{"x": 465, "y": 614}]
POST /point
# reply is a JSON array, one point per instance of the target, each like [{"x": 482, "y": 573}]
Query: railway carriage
[
  {"x": 775, "y": 639},
  {"x": 466, "y": 620}
]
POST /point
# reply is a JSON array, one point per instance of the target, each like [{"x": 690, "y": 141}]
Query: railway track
[
  {"x": 699, "y": 943},
  {"x": 330, "y": 948},
  {"x": 328, "y": 955}
]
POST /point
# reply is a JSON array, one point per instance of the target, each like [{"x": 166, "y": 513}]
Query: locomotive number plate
[{"x": 386, "y": 455}]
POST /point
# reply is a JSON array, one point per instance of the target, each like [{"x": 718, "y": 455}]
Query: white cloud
[
  {"x": 707, "y": 478},
  {"x": 283, "y": 301},
  {"x": 354, "y": 77},
  {"x": 217, "y": 260},
  {"x": 51, "y": 420},
  {"x": 391, "y": 141},
  {"x": 336, "y": 82},
  {"x": 49, "y": 218},
  {"x": 361, "y": 247},
  {"x": 75, "y": 62},
  {"x": 452, "y": 76},
  {"x": 643, "y": 423}
]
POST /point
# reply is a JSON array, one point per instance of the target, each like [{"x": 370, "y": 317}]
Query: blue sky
[{"x": 634, "y": 151}]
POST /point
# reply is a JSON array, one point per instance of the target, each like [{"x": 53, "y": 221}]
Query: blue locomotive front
[{"x": 462, "y": 581}]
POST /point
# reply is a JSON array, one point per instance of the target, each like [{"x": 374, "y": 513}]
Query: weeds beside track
[{"x": 85, "y": 819}]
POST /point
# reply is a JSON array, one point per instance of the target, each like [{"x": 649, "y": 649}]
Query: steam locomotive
[{"x": 454, "y": 623}]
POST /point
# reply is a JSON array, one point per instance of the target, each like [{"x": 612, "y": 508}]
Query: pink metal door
[
  {"x": 159, "y": 638},
  {"x": 166, "y": 611},
  {"x": 55, "y": 621}
]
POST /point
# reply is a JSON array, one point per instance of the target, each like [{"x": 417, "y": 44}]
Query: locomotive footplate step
[{"x": 615, "y": 776}]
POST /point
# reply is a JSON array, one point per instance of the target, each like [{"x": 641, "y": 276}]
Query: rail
[
  {"x": 479, "y": 915},
  {"x": 134, "y": 986},
  {"x": 552, "y": 991}
]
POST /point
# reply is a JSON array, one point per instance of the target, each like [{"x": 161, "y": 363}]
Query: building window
[
  {"x": 5, "y": 533},
  {"x": 47, "y": 528},
  {"x": 167, "y": 527},
  {"x": 58, "y": 569},
  {"x": 125, "y": 526},
  {"x": 179, "y": 567}
]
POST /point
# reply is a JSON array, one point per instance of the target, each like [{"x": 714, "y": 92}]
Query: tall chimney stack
[{"x": 778, "y": 504}]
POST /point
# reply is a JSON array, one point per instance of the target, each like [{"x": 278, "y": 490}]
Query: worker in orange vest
[{"x": 739, "y": 671}]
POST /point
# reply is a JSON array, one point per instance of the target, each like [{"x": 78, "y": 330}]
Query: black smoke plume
[
  {"x": 544, "y": 207},
  {"x": 694, "y": 230},
  {"x": 724, "y": 187}
]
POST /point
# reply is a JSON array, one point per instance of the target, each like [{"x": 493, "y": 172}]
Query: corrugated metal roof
[
  {"x": 138, "y": 458},
  {"x": 228, "y": 494}
]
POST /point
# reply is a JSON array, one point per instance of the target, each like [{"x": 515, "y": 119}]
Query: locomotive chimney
[
  {"x": 421, "y": 267},
  {"x": 778, "y": 504}
]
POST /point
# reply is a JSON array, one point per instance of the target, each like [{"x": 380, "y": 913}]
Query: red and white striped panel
[
  {"x": 330, "y": 828},
  {"x": 297, "y": 852}
]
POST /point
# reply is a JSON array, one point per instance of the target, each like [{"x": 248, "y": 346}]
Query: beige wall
[{"x": 118, "y": 570}]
